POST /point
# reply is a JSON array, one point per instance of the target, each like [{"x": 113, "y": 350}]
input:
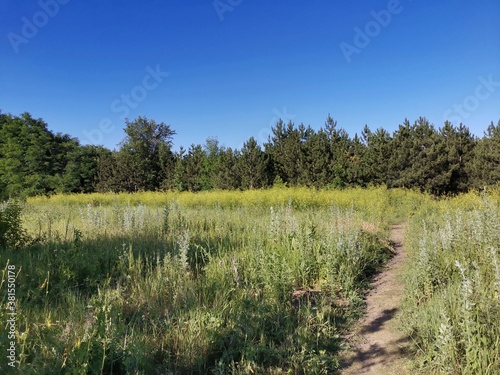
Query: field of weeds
[
  {"x": 452, "y": 307},
  {"x": 242, "y": 282}
]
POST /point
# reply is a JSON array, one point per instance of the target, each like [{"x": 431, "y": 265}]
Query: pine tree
[
  {"x": 252, "y": 166},
  {"x": 180, "y": 177},
  {"x": 194, "y": 163},
  {"x": 357, "y": 173},
  {"x": 227, "y": 176},
  {"x": 459, "y": 145},
  {"x": 317, "y": 160},
  {"x": 378, "y": 156},
  {"x": 422, "y": 158},
  {"x": 484, "y": 167},
  {"x": 339, "y": 143},
  {"x": 211, "y": 163},
  {"x": 401, "y": 158}
]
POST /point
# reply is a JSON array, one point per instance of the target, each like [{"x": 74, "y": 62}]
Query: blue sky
[{"x": 83, "y": 66}]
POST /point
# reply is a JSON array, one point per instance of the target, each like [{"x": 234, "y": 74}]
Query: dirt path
[{"x": 377, "y": 347}]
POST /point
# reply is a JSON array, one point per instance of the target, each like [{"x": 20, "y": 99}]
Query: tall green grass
[
  {"x": 452, "y": 308},
  {"x": 173, "y": 286},
  {"x": 245, "y": 282}
]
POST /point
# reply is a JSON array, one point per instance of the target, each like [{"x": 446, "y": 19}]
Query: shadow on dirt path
[{"x": 376, "y": 345}]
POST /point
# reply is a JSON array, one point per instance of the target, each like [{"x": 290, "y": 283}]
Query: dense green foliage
[
  {"x": 34, "y": 161},
  {"x": 452, "y": 307},
  {"x": 12, "y": 233},
  {"x": 445, "y": 160}
]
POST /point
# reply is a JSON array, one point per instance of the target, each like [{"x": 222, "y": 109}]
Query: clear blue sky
[{"x": 232, "y": 73}]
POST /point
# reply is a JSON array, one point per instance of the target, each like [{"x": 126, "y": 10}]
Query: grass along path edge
[{"x": 376, "y": 346}]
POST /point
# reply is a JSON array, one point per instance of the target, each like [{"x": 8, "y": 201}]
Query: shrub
[{"x": 12, "y": 233}]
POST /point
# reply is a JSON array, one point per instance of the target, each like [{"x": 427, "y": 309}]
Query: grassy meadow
[
  {"x": 253, "y": 282},
  {"x": 452, "y": 306}
]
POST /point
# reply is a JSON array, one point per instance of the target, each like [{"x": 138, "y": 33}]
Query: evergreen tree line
[{"x": 445, "y": 160}]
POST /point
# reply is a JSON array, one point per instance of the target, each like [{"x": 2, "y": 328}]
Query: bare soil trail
[{"x": 376, "y": 345}]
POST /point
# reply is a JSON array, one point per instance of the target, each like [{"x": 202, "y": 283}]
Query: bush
[{"x": 12, "y": 233}]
